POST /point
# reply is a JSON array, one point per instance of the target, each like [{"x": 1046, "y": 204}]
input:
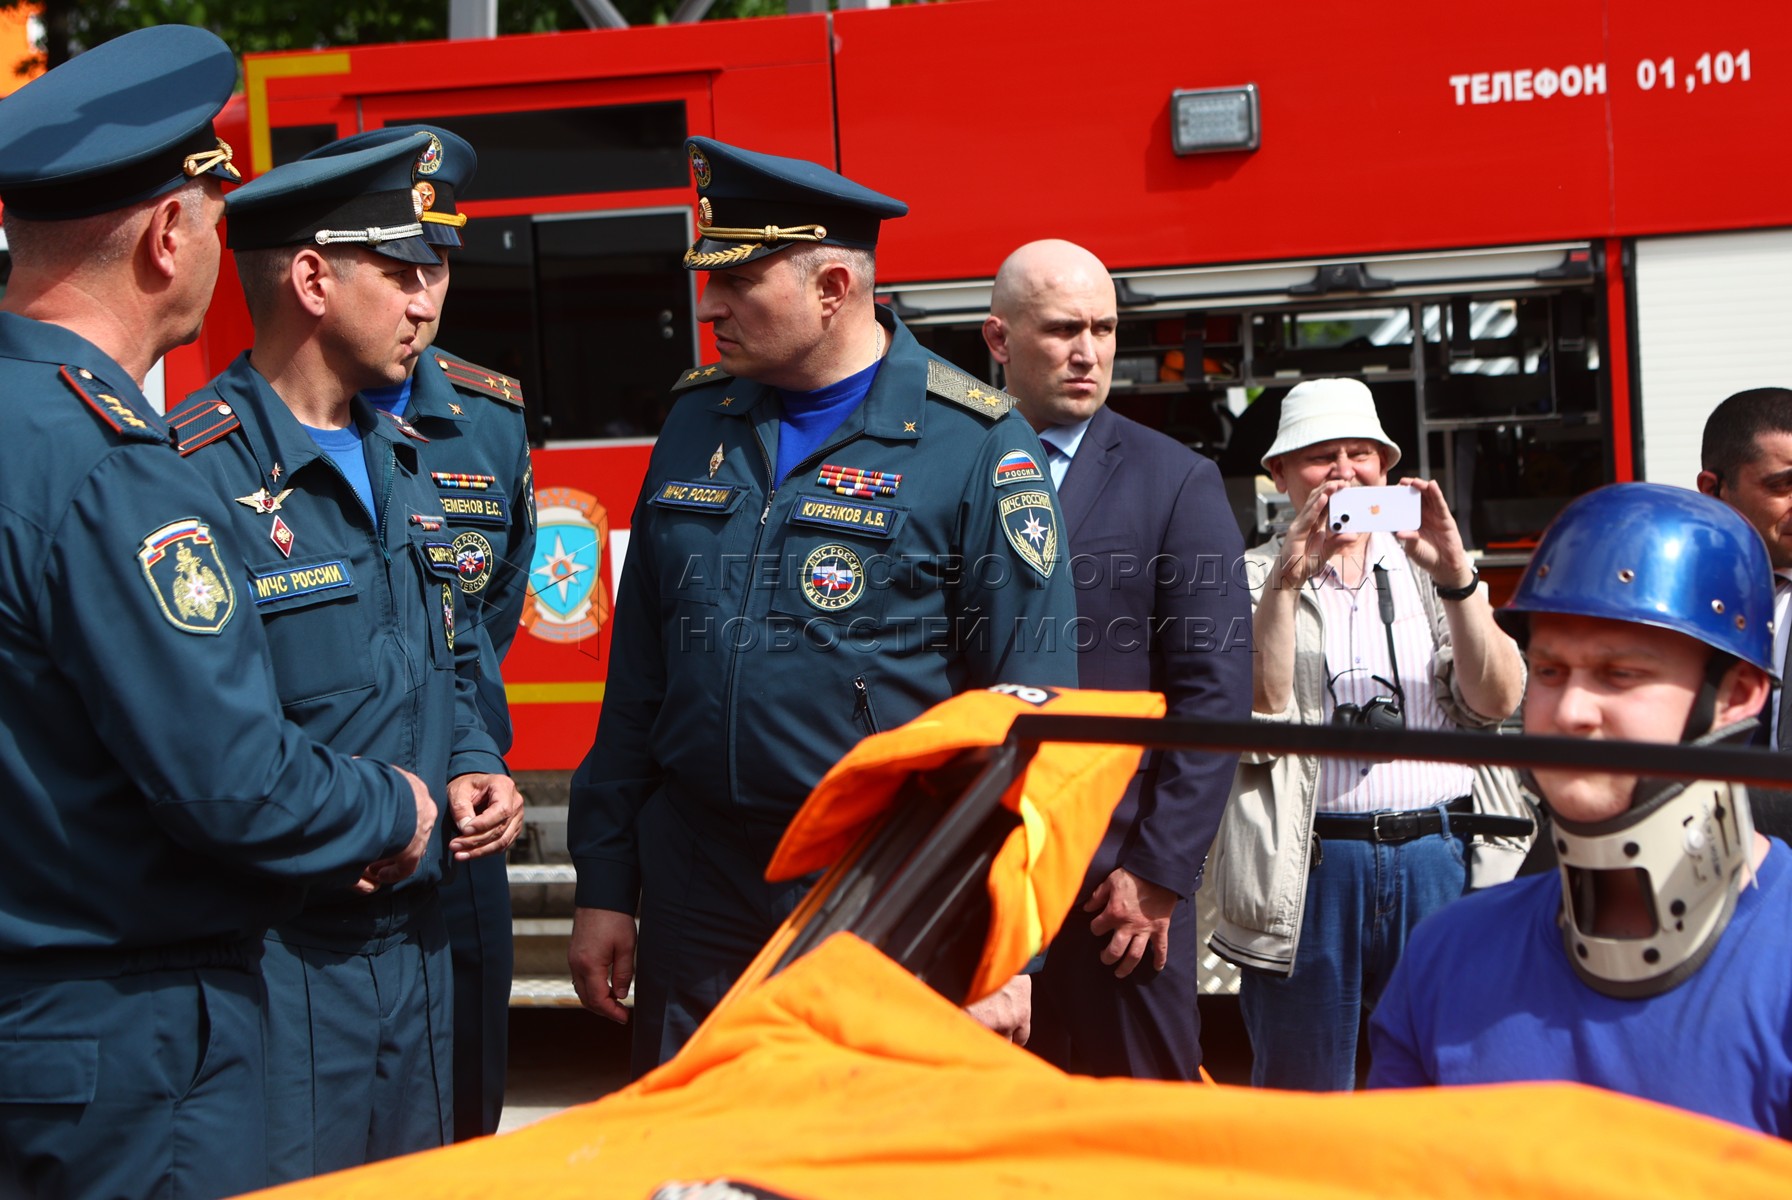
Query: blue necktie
[{"x": 1057, "y": 461}]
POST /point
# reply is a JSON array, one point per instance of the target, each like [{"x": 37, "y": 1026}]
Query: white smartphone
[{"x": 1373, "y": 510}]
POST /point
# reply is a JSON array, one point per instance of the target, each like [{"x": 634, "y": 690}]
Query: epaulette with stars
[
  {"x": 698, "y": 376},
  {"x": 949, "y": 383},
  {"x": 202, "y": 420},
  {"x": 474, "y": 378},
  {"x": 118, "y": 414}
]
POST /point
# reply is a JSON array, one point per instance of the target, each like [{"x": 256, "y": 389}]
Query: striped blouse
[{"x": 1356, "y": 650}]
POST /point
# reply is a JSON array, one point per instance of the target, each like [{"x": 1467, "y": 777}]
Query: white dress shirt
[{"x": 1061, "y": 444}]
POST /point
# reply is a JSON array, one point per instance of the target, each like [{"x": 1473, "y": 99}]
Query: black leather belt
[{"x": 1407, "y": 825}]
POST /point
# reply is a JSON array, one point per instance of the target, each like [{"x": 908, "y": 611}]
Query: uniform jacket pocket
[
  {"x": 316, "y": 624},
  {"x": 50, "y": 1071}
]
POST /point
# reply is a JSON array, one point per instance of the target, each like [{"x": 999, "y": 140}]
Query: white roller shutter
[{"x": 1714, "y": 317}]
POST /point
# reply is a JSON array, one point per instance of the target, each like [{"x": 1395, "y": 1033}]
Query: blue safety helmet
[{"x": 1653, "y": 555}]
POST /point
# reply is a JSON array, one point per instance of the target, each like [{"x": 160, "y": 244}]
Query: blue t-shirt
[
  {"x": 391, "y": 399},
  {"x": 809, "y": 417},
  {"x": 343, "y": 446},
  {"x": 1484, "y": 994}
]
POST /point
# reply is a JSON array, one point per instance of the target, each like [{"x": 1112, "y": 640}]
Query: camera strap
[{"x": 1384, "y": 595}]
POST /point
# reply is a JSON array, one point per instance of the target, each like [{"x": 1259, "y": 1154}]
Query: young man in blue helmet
[{"x": 1645, "y": 616}]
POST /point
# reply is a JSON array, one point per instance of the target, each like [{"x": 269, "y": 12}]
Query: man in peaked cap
[
  {"x": 905, "y": 545},
  {"x": 352, "y": 573},
  {"x": 478, "y": 458},
  {"x": 161, "y": 813}
]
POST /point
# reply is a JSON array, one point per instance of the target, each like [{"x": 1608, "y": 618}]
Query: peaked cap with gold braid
[{"x": 750, "y": 205}]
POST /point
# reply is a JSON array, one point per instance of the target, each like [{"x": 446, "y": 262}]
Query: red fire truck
[{"x": 1550, "y": 236}]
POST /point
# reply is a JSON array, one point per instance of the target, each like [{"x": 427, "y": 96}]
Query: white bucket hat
[{"x": 1325, "y": 410}]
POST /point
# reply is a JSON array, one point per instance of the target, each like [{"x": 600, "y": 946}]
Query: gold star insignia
[
  {"x": 908, "y": 427},
  {"x": 507, "y": 390},
  {"x": 694, "y": 375},
  {"x": 726, "y": 401},
  {"x": 708, "y": 371},
  {"x": 490, "y": 382},
  {"x": 455, "y": 409}
]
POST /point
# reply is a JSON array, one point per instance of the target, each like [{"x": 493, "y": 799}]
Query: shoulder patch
[
  {"x": 698, "y": 376},
  {"x": 949, "y": 383},
  {"x": 188, "y": 579},
  {"x": 475, "y": 378},
  {"x": 118, "y": 414},
  {"x": 202, "y": 420}
]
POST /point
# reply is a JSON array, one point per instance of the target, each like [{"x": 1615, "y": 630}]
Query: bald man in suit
[{"x": 1153, "y": 545}]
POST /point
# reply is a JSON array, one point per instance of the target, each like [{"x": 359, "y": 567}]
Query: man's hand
[
  {"x": 1436, "y": 545},
  {"x": 403, "y": 864},
  {"x": 1008, "y": 1012},
  {"x": 602, "y": 958},
  {"x": 1136, "y": 912},
  {"x": 488, "y": 812},
  {"x": 1309, "y": 541}
]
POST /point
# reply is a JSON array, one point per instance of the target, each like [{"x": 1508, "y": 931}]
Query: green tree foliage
[{"x": 251, "y": 26}]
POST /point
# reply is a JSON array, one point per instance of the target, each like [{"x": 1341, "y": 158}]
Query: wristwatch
[{"x": 1463, "y": 592}]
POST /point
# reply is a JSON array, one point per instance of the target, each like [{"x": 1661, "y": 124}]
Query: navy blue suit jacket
[{"x": 1154, "y": 552}]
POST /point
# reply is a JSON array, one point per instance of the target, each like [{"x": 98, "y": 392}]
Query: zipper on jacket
[
  {"x": 862, "y": 710},
  {"x": 746, "y": 600},
  {"x": 386, "y": 500}
]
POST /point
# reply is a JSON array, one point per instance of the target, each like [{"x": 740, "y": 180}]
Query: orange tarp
[
  {"x": 844, "y": 1077},
  {"x": 1065, "y": 798}
]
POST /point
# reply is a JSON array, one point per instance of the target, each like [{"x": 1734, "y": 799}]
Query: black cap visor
[{"x": 356, "y": 221}]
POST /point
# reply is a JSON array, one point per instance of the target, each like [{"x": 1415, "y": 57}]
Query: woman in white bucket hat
[{"x": 1315, "y": 893}]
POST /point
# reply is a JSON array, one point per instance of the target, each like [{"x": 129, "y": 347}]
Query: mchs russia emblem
[{"x": 568, "y": 599}]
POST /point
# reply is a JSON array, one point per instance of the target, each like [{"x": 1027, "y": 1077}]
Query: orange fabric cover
[
  {"x": 1066, "y": 798},
  {"x": 846, "y": 1077}
]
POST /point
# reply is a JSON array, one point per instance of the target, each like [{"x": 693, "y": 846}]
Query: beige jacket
[{"x": 1258, "y": 868}]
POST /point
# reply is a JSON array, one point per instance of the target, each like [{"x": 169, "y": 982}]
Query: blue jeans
[{"x": 1363, "y": 898}]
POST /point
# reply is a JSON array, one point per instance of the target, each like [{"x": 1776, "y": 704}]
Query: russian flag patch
[{"x": 1016, "y": 466}]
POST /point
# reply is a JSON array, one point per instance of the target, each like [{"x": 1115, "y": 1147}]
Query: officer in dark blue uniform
[
  {"x": 356, "y": 583},
  {"x": 478, "y": 457},
  {"x": 837, "y": 530},
  {"x": 160, "y": 814}
]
